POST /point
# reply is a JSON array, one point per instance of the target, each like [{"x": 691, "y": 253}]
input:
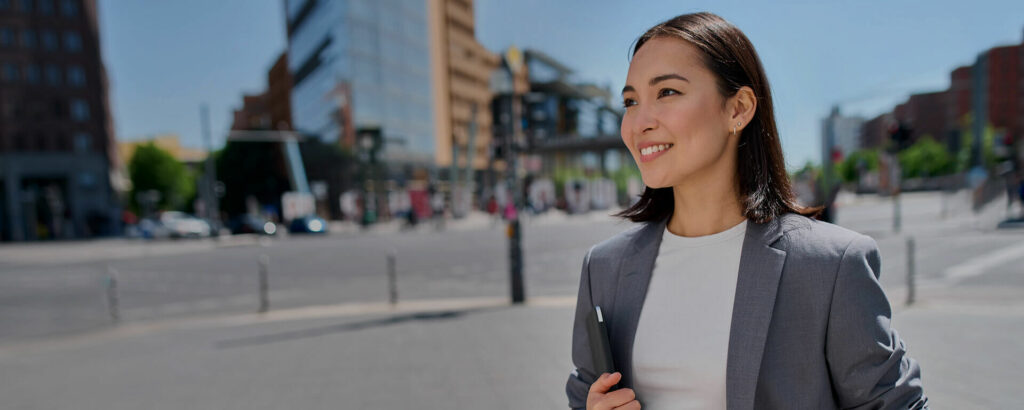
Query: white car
[{"x": 182, "y": 225}]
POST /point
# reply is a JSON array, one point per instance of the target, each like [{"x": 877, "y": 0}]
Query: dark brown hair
[{"x": 764, "y": 186}]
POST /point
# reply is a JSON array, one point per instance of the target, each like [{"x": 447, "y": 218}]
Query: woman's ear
[{"x": 742, "y": 107}]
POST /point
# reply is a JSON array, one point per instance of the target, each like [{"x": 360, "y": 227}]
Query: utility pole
[
  {"x": 453, "y": 180},
  {"x": 470, "y": 151},
  {"x": 212, "y": 206}
]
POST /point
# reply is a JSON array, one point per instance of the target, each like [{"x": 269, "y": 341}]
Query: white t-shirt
[{"x": 682, "y": 338}]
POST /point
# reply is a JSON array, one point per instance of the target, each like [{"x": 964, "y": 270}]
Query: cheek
[
  {"x": 627, "y": 139},
  {"x": 693, "y": 126}
]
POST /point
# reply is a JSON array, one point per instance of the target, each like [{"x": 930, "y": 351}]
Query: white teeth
[{"x": 654, "y": 148}]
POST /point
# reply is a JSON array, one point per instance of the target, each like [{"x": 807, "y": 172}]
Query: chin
[{"x": 655, "y": 182}]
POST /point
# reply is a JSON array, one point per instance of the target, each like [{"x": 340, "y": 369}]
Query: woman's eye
[
  {"x": 629, "y": 102},
  {"x": 664, "y": 92}
]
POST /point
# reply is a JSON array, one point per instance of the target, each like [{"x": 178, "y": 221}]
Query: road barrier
[
  {"x": 910, "y": 270},
  {"x": 392, "y": 278},
  {"x": 264, "y": 283},
  {"x": 112, "y": 296}
]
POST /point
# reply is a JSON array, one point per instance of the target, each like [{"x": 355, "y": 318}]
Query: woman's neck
[{"x": 700, "y": 210}]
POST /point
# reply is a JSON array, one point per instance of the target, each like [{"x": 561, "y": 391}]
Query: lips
[{"x": 650, "y": 151}]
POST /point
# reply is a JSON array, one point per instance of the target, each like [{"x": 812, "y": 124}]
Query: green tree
[
  {"x": 963, "y": 155},
  {"x": 859, "y": 161},
  {"x": 926, "y": 158},
  {"x": 152, "y": 168},
  {"x": 808, "y": 170}
]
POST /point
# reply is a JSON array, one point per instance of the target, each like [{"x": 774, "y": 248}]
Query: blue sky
[{"x": 165, "y": 58}]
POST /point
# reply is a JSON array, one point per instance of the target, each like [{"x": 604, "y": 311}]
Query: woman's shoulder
[
  {"x": 623, "y": 241},
  {"x": 802, "y": 233}
]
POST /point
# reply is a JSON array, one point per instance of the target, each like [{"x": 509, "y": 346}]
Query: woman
[{"x": 727, "y": 295}]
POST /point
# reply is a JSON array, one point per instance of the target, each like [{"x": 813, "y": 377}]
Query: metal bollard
[
  {"x": 897, "y": 213},
  {"x": 112, "y": 297},
  {"x": 264, "y": 285},
  {"x": 910, "y": 270},
  {"x": 392, "y": 279}
]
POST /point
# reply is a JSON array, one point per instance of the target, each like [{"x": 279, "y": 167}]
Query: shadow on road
[{"x": 347, "y": 327}]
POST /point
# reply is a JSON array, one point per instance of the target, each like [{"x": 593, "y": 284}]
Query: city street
[{"x": 189, "y": 336}]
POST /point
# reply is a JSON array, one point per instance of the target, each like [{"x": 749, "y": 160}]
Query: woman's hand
[{"x": 600, "y": 399}]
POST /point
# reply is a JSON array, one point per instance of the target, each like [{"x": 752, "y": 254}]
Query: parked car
[
  {"x": 150, "y": 228},
  {"x": 182, "y": 225},
  {"x": 249, "y": 223},
  {"x": 308, "y": 224}
]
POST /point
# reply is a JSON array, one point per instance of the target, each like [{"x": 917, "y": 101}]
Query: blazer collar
[{"x": 756, "y": 286}]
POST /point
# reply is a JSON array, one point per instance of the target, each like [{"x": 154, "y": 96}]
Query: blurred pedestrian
[
  {"x": 492, "y": 205},
  {"x": 725, "y": 294},
  {"x": 437, "y": 206}
]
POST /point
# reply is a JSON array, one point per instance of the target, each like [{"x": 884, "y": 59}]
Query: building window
[
  {"x": 21, "y": 142},
  {"x": 69, "y": 8},
  {"x": 6, "y": 37},
  {"x": 32, "y": 74},
  {"x": 59, "y": 109},
  {"x": 25, "y": 5},
  {"x": 53, "y": 75},
  {"x": 28, "y": 38},
  {"x": 45, "y": 7},
  {"x": 72, "y": 41},
  {"x": 10, "y": 72},
  {"x": 79, "y": 110},
  {"x": 76, "y": 76},
  {"x": 49, "y": 40},
  {"x": 83, "y": 142}
]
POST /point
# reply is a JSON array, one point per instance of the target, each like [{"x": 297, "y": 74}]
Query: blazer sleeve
[
  {"x": 867, "y": 360},
  {"x": 578, "y": 385}
]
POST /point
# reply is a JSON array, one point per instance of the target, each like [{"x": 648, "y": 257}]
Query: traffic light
[{"x": 900, "y": 134}]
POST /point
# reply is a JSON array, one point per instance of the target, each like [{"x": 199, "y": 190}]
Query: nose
[{"x": 644, "y": 121}]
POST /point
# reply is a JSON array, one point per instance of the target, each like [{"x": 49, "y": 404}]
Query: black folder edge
[{"x": 600, "y": 346}]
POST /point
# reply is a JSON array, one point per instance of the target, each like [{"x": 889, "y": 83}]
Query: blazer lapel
[
  {"x": 635, "y": 270},
  {"x": 756, "y": 287}
]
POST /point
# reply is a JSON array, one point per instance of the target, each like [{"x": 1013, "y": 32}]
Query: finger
[
  {"x": 605, "y": 382},
  {"x": 619, "y": 397},
  {"x": 633, "y": 405}
]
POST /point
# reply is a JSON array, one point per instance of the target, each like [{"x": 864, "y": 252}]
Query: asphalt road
[{"x": 189, "y": 339}]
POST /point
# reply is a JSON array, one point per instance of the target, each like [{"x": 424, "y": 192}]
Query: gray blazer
[{"x": 810, "y": 324}]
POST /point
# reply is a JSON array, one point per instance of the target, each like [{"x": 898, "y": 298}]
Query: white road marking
[{"x": 980, "y": 264}]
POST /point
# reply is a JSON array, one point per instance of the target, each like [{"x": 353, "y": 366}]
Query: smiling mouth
[{"x": 653, "y": 151}]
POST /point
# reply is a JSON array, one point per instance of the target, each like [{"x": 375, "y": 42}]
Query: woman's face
[{"x": 675, "y": 124}]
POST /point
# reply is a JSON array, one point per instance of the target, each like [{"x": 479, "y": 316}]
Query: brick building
[{"x": 57, "y": 149}]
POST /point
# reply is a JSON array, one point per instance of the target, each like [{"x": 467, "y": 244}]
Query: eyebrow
[{"x": 656, "y": 80}]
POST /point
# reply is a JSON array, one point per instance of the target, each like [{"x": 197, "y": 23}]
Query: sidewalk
[{"x": 451, "y": 354}]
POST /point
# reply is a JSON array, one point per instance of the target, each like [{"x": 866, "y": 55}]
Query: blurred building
[
  {"x": 461, "y": 73},
  {"x": 840, "y": 135},
  {"x": 874, "y": 133},
  {"x": 928, "y": 115},
  {"x": 58, "y": 158},
  {"x": 361, "y": 64},
  {"x": 569, "y": 124},
  {"x": 279, "y": 93},
  {"x": 271, "y": 109},
  {"x": 990, "y": 91},
  {"x": 254, "y": 113}
]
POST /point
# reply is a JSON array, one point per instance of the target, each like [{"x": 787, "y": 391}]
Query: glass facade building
[{"x": 371, "y": 55}]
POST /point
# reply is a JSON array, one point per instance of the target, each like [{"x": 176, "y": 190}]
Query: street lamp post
[
  {"x": 369, "y": 141},
  {"x": 513, "y": 62}
]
